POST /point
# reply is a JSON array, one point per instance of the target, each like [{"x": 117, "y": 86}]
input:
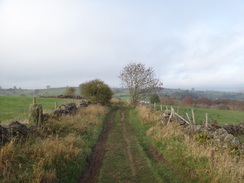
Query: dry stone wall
[
  {"x": 18, "y": 130},
  {"x": 222, "y": 136}
]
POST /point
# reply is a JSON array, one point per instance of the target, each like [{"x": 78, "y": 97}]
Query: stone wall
[
  {"x": 18, "y": 130},
  {"x": 15, "y": 130},
  {"x": 222, "y": 136}
]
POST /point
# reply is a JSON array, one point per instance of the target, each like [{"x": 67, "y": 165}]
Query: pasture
[
  {"x": 221, "y": 116},
  {"x": 17, "y": 108}
]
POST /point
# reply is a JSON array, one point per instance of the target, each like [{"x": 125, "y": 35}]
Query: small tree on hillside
[
  {"x": 139, "y": 80},
  {"x": 154, "y": 98},
  {"x": 96, "y": 91},
  {"x": 70, "y": 91}
]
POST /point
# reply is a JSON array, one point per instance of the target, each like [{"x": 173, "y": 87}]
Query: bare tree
[{"x": 139, "y": 80}]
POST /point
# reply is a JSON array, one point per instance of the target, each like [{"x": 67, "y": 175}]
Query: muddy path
[
  {"x": 119, "y": 156},
  {"x": 95, "y": 161}
]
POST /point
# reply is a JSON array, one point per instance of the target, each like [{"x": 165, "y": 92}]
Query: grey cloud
[{"x": 188, "y": 43}]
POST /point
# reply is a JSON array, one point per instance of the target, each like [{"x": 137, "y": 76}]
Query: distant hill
[
  {"x": 123, "y": 93},
  {"x": 37, "y": 92},
  {"x": 210, "y": 94}
]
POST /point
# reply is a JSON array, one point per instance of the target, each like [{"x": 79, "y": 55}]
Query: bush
[
  {"x": 96, "y": 91},
  {"x": 69, "y": 91},
  {"x": 154, "y": 99}
]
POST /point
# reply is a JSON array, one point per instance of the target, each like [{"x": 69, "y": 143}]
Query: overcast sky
[{"x": 190, "y": 44}]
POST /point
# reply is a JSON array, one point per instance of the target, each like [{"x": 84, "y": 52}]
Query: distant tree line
[{"x": 223, "y": 104}]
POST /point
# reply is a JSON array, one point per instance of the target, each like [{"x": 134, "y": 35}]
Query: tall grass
[
  {"x": 56, "y": 153},
  {"x": 193, "y": 161},
  {"x": 148, "y": 114}
]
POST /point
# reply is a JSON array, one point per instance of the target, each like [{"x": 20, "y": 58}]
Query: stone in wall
[
  {"x": 16, "y": 128},
  {"x": 4, "y": 135},
  {"x": 84, "y": 103},
  {"x": 223, "y": 139},
  {"x": 65, "y": 109}
]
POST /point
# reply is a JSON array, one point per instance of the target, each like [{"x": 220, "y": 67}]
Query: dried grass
[
  {"x": 55, "y": 150},
  {"x": 115, "y": 100},
  {"x": 57, "y": 144},
  {"x": 7, "y": 159},
  {"x": 222, "y": 167},
  {"x": 147, "y": 114}
]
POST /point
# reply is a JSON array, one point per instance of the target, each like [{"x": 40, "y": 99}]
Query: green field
[
  {"x": 222, "y": 116},
  {"x": 17, "y": 108}
]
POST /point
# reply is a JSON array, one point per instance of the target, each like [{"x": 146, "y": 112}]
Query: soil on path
[
  {"x": 95, "y": 161},
  {"x": 125, "y": 160},
  {"x": 119, "y": 157}
]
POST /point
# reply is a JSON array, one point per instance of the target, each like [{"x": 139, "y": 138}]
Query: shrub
[
  {"x": 96, "y": 91},
  {"x": 70, "y": 91},
  {"x": 154, "y": 99}
]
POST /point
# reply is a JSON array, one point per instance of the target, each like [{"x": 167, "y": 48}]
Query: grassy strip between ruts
[
  {"x": 128, "y": 158},
  {"x": 192, "y": 161},
  {"x": 56, "y": 153}
]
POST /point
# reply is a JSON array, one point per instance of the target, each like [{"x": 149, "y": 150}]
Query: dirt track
[
  {"x": 118, "y": 157},
  {"x": 95, "y": 161},
  {"x": 132, "y": 165}
]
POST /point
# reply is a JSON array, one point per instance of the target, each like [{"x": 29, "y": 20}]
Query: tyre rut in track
[{"x": 95, "y": 161}]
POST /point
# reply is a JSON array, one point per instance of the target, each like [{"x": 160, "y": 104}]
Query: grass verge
[
  {"x": 192, "y": 161},
  {"x": 159, "y": 166},
  {"x": 128, "y": 157},
  {"x": 56, "y": 153}
]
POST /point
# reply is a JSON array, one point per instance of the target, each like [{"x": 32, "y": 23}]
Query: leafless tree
[{"x": 139, "y": 80}]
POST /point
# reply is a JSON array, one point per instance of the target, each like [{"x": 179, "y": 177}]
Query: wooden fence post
[
  {"x": 188, "y": 118},
  {"x": 172, "y": 114},
  {"x": 173, "y": 111},
  {"x": 34, "y": 100},
  {"x": 193, "y": 117},
  {"x": 161, "y": 107},
  {"x": 206, "y": 119},
  {"x": 36, "y": 115}
]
